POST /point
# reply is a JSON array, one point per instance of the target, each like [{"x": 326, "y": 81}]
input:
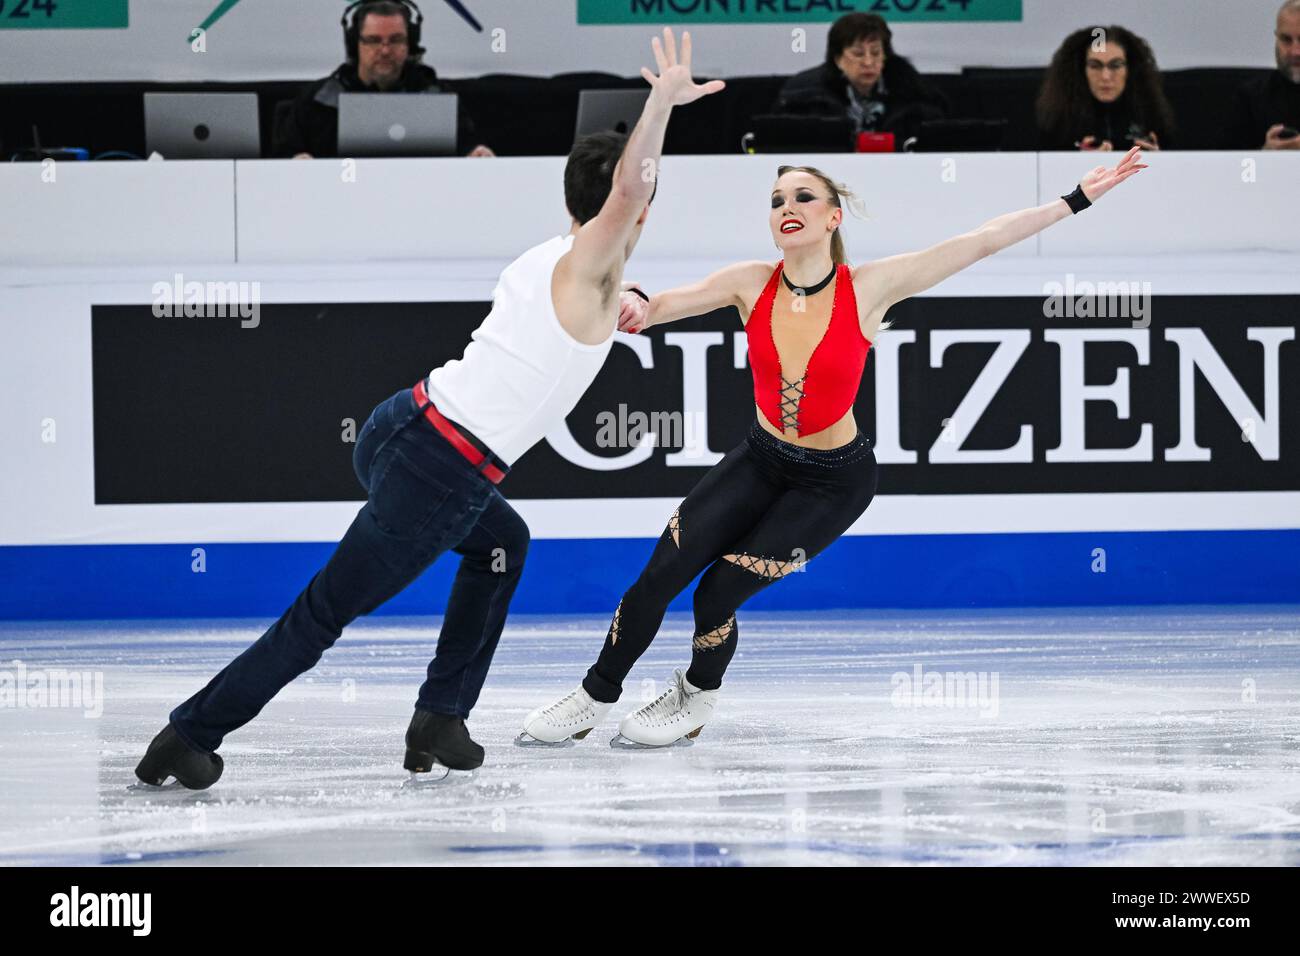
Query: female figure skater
[{"x": 805, "y": 472}]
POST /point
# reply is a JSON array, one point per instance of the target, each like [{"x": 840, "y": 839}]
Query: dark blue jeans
[{"x": 424, "y": 499}]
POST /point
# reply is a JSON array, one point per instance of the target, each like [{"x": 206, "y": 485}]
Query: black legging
[{"x": 760, "y": 513}]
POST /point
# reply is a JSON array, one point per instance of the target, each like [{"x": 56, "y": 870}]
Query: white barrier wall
[
  {"x": 709, "y": 206},
  {"x": 102, "y": 235},
  {"x": 714, "y": 206},
  {"x": 1223, "y": 201},
  {"x": 73, "y": 213}
]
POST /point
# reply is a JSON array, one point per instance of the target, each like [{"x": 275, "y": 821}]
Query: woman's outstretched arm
[
  {"x": 731, "y": 285},
  {"x": 892, "y": 279}
]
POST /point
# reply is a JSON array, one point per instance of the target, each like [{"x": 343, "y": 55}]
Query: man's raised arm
[{"x": 601, "y": 245}]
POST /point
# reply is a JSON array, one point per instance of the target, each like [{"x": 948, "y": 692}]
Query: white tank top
[{"x": 521, "y": 373}]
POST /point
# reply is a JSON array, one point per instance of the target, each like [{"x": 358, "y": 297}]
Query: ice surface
[{"x": 1159, "y": 736}]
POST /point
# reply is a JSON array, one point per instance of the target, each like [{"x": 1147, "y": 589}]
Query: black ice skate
[
  {"x": 170, "y": 756},
  {"x": 441, "y": 740}
]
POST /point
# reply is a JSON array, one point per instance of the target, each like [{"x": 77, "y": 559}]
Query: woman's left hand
[
  {"x": 633, "y": 310},
  {"x": 1101, "y": 180},
  {"x": 1151, "y": 141}
]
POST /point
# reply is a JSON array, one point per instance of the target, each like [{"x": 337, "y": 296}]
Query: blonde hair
[{"x": 840, "y": 194}]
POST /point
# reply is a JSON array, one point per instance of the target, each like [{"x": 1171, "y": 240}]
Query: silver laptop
[
  {"x": 397, "y": 124},
  {"x": 202, "y": 125},
  {"x": 618, "y": 110}
]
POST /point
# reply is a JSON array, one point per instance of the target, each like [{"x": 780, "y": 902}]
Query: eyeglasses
[
  {"x": 862, "y": 53},
  {"x": 380, "y": 41},
  {"x": 1115, "y": 66}
]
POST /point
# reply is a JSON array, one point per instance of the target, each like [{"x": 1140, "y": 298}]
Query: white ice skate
[
  {"x": 675, "y": 718},
  {"x": 570, "y": 718}
]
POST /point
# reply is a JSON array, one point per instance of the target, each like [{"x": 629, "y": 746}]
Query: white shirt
[{"x": 521, "y": 373}]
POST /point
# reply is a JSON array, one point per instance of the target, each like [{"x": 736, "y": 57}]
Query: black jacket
[
  {"x": 907, "y": 99},
  {"x": 1117, "y": 122},
  {"x": 1261, "y": 103},
  {"x": 312, "y": 124}
]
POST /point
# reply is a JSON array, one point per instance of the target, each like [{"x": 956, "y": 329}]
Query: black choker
[{"x": 808, "y": 290}]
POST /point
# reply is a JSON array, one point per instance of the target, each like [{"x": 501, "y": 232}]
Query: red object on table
[{"x": 875, "y": 143}]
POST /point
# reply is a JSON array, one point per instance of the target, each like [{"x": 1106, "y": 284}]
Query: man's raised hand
[{"x": 674, "y": 83}]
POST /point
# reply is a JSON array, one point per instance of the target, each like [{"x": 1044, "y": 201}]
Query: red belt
[{"x": 480, "y": 460}]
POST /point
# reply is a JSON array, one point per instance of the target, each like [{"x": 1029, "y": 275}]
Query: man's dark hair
[
  {"x": 589, "y": 174},
  {"x": 851, "y": 28},
  {"x": 382, "y": 8}
]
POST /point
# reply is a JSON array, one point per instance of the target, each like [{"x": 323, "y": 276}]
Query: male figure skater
[{"x": 430, "y": 458}]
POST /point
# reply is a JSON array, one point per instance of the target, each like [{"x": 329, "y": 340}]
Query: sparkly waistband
[{"x": 764, "y": 441}]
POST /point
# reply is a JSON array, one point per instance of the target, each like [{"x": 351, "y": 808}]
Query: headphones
[{"x": 354, "y": 14}]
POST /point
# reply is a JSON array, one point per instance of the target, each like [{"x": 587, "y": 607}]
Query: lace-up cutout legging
[{"x": 759, "y": 514}]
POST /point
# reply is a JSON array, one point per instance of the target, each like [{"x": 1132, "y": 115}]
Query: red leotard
[{"x": 830, "y": 384}]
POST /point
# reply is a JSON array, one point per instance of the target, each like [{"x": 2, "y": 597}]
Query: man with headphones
[{"x": 382, "y": 38}]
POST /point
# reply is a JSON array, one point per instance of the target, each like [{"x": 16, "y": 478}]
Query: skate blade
[
  {"x": 623, "y": 743},
  {"x": 141, "y": 787},
  {"x": 525, "y": 739},
  {"x": 438, "y": 776}
]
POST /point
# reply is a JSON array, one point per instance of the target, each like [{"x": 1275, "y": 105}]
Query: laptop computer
[
  {"x": 397, "y": 124},
  {"x": 601, "y": 110},
  {"x": 202, "y": 125}
]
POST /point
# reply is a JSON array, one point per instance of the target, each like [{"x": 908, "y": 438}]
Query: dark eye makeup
[{"x": 799, "y": 197}]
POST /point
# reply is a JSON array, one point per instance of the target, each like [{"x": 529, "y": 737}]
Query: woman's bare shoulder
[{"x": 749, "y": 278}]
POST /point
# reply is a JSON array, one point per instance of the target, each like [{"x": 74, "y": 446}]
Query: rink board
[
  {"x": 589, "y": 576},
  {"x": 172, "y": 466}
]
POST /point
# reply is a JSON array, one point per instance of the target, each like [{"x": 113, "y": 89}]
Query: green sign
[
  {"x": 659, "y": 12},
  {"x": 64, "y": 15}
]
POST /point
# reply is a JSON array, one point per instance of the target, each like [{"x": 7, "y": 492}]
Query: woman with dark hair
[
  {"x": 805, "y": 472},
  {"x": 863, "y": 79},
  {"x": 1103, "y": 91}
]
